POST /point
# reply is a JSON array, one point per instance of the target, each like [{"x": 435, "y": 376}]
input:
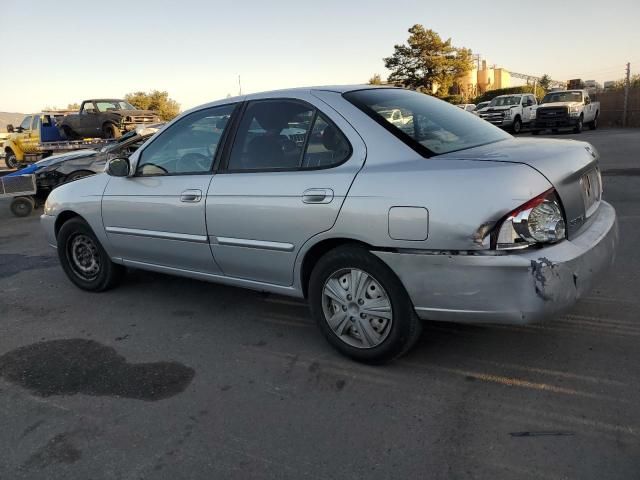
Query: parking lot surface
[{"x": 166, "y": 378}]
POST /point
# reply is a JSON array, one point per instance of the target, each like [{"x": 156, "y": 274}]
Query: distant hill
[{"x": 12, "y": 118}]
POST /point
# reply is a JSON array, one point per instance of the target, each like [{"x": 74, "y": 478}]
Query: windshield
[
  {"x": 428, "y": 125},
  {"x": 505, "y": 101},
  {"x": 562, "y": 97},
  {"x": 111, "y": 105}
]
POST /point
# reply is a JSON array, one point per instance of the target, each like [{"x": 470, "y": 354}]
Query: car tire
[
  {"x": 78, "y": 175},
  {"x": 517, "y": 125},
  {"x": 383, "y": 338},
  {"x": 594, "y": 124},
  {"x": 11, "y": 160},
  {"x": 22, "y": 206},
  {"x": 67, "y": 133},
  {"x": 579, "y": 125},
  {"x": 109, "y": 130},
  {"x": 84, "y": 260}
]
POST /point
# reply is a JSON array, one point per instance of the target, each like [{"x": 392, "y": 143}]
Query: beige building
[{"x": 476, "y": 82}]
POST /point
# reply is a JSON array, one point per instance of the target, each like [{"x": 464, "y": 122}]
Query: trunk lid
[{"x": 570, "y": 166}]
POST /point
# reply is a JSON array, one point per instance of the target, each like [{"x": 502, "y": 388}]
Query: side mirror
[
  {"x": 19, "y": 129},
  {"x": 118, "y": 167},
  {"x": 10, "y": 128}
]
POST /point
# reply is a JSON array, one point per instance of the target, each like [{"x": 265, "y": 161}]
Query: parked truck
[
  {"x": 105, "y": 118},
  {"x": 567, "y": 109},
  {"x": 38, "y": 137},
  {"x": 511, "y": 111}
]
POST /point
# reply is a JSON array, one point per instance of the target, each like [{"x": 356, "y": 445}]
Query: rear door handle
[
  {"x": 191, "y": 196},
  {"x": 317, "y": 195}
]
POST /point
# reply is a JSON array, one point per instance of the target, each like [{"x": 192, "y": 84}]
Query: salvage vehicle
[
  {"x": 105, "y": 118},
  {"x": 511, "y": 111},
  {"x": 567, "y": 109},
  {"x": 481, "y": 106},
  {"x": 58, "y": 169},
  {"x": 378, "y": 226},
  {"x": 38, "y": 137}
]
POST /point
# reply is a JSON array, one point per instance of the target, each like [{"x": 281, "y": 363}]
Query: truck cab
[{"x": 511, "y": 111}]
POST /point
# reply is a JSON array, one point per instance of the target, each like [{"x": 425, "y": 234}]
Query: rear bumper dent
[{"x": 516, "y": 288}]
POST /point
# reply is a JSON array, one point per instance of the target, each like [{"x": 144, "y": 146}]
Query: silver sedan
[{"x": 379, "y": 223}]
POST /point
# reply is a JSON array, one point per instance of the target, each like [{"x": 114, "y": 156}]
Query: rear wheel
[
  {"x": 22, "y": 206},
  {"x": 109, "y": 130},
  {"x": 11, "y": 160},
  {"x": 361, "y": 306},
  {"x": 594, "y": 124},
  {"x": 84, "y": 260},
  {"x": 579, "y": 125}
]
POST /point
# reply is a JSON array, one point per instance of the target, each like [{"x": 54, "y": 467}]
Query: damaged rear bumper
[{"x": 514, "y": 288}]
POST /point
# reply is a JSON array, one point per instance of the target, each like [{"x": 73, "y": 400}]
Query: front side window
[
  {"x": 187, "y": 147},
  {"x": 26, "y": 123},
  {"x": 429, "y": 126},
  {"x": 88, "y": 108},
  {"x": 286, "y": 135}
]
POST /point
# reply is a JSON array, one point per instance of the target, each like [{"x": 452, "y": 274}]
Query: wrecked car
[
  {"x": 378, "y": 226},
  {"x": 104, "y": 118},
  {"x": 59, "y": 169}
]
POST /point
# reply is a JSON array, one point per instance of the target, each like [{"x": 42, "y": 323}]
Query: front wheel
[
  {"x": 11, "y": 160},
  {"x": 77, "y": 175},
  {"x": 111, "y": 131},
  {"x": 579, "y": 125},
  {"x": 84, "y": 260},
  {"x": 361, "y": 306},
  {"x": 517, "y": 125}
]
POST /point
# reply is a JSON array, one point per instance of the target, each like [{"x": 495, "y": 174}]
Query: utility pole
[
  {"x": 627, "y": 81},
  {"x": 239, "y": 86}
]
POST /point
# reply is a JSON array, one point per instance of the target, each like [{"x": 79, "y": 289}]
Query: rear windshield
[{"x": 426, "y": 124}]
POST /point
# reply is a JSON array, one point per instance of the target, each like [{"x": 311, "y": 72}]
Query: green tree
[
  {"x": 545, "y": 82},
  {"x": 157, "y": 101},
  {"x": 428, "y": 63},
  {"x": 375, "y": 80}
]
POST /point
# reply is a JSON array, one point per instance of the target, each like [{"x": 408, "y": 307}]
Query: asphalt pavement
[{"x": 169, "y": 378}]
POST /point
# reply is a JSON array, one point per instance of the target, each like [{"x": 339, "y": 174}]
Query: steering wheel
[{"x": 193, "y": 162}]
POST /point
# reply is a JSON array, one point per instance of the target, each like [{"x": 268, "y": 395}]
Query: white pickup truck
[
  {"x": 511, "y": 111},
  {"x": 567, "y": 109}
]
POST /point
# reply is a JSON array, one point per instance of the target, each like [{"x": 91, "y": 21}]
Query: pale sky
[{"x": 61, "y": 52}]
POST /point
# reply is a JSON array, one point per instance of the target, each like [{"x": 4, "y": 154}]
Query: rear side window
[
  {"x": 286, "y": 135},
  {"x": 430, "y": 126}
]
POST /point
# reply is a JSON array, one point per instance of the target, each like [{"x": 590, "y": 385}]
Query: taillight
[{"x": 540, "y": 220}]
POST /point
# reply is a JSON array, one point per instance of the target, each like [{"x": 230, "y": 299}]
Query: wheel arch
[
  {"x": 314, "y": 253},
  {"x": 64, "y": 217}
]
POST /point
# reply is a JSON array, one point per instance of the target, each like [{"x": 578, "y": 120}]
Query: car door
[
  {"x": 284, "y": 180},
  {"x": 526, "y": 109},
  {"x": 88, "y": 121},
  {"x": 157, "y": 216},
  {"x": 588, "y": 109}
]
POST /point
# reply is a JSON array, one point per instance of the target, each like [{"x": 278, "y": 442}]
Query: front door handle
[
  {"x": 317, "y": 195},
  {"x": 191, "y": 196}
]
